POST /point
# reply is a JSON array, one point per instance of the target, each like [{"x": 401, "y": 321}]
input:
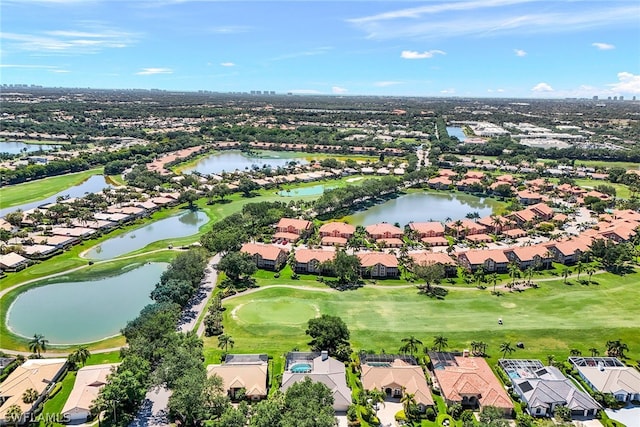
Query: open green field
[
  {"x": 552, "y": 319},
  {"x": 18, "y": 194}
]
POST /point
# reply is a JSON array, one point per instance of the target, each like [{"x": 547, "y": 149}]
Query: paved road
[{"x": 154, "y": 408}]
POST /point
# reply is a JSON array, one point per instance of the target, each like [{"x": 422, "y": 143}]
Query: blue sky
[{"x": 480, "y": 48}]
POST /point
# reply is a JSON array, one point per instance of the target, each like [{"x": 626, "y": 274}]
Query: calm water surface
[
  {"x": 84, "y": 311},
  {"x": 93, "y": 184},
  {"x": 230, "y": 161},
  {"x": 420, "y": 207},
  {"x": 181, "y": 225}
]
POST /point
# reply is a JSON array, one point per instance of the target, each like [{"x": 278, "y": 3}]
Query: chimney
[{"x": 324, "y": 354}]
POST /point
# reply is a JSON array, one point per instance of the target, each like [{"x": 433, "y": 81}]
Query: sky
[{"x": 466, "y": 48}]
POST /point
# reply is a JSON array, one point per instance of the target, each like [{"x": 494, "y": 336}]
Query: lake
[
  {"x": 457, "y": 132},
  {"x": 420, "y": 207},
  {"x": 230, "y": 161},
  {"x": 84, "y": 311},
  {"x": 313, "y": 190},
  {"x": 93, "y": 184},
  {"x": 16, "y": 147},
  {"x": 181, "y": 225}
]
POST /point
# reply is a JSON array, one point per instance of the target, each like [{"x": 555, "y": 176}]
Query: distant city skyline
[{"x": 468, "y": 48}]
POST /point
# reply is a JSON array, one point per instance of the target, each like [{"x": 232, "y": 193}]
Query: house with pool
[
  {"x": 319, "y": 367},
  {"x": 609, "y": 375},
  {"x": 544, "y": 388}
]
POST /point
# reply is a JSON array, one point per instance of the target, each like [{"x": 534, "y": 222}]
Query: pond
[
  {"x": 457, "y": 132},
  {"x": 84, "y": 311},
  {"x": 230, "y": 161},
  {"x": 421, "y": 207},
  {"x": 313, "y": 190},
  {"x": 93, "y": 184},
  {"x": 181, "y": 225},
  {"x": 16, "y": 147}
]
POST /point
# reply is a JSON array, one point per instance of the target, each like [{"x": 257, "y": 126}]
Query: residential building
[
  {"x": 492, "y": 260},
  {"x": 609, "y": 375},
  {"x": 37, "y": 374},
  {"x": 378, "y": 264},
  {"x": 292, "y": 229},
  {"x": 544, "y": 388},
  {"x": 318, "y": 367},
  {"x": 13, "y": 262},
  {"x": 89, "y": 382},
  {"x": 395, "y": 376},
  {"x": 245, "y": 373},
  {"x": 427, "y": 258},
  {"x": 537, "y": 256},
  {"x": 468, "y": 381},
  {"x": 312, "y": 260},
  {"x": 269, "y": 257}
]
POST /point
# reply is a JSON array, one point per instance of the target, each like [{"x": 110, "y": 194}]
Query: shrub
[
  {"x": 431, "y": 414},
  {"x": 56, "y": 388}
]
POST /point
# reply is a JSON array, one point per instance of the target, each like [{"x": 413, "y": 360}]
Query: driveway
[
  {"x": 629, "y": 416},
  {"x": 387, "y": 413}
]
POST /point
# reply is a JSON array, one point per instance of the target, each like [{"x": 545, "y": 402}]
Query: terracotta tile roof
[
  {"x": 297, "y": 224},
  {"x": 382, "y": 228},
  {"x": 337, "y": 227},
  {"x": 477, "y": 257},
  {"x": 89, "y": 382},
  {"x": 422, "y": 258},
  {"x": 306, "y": 255},
  {"x": 400, "y": 374},
  {"x": 427, "y": 227},
  {"x": 435, "y": 241},
  {"x": 369, "y": 259},
  {"x": 331, "y": 240},
  {"x": 268, "y": 252},
  {"x": 472, "y": 376},
  {"x": 528, "y": 253},
  {"x": 480, "y": 238}
]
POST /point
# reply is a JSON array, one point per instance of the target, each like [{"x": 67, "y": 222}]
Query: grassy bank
[
  {"x": 13, "y": 195},
  {"x": 94, "y": 272}
]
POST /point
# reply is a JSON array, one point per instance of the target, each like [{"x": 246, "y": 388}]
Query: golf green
[{"x": 278, "y": 312}]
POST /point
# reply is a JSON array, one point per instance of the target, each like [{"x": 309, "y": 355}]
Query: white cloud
[
  {"x": 58, "y": 70},
  {"x": 412, "y": 54},
  {"x": 152, "y": 71},
  {"x": 483, "y": 18},
  {"x": 495, "y": 90},
  {"x": 338, "y": 90},
  {"x": 448, "y": 91},
  {"x": 230, "y": 29},
  {"x": 70, "y": 41},
  {"x": 387, "y": 83},
  {"x": 627, "y": 83},
  {"x": 228, "y": 64},
  {"x": 603, "y": 46},
  {"x": 542, "y": 87},
  {"x": 520, "y": 52},
  {"x": 311, "y": 52}
]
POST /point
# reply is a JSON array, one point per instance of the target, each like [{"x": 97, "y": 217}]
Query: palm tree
[
  {"x": 14, "y": 413},
  {"x": 565, "y": 274},
  {"x": 80, "y": 355},
  {"x": 513, "y": 272},
  {"x": 440, "y": 342},
  {"x": 529, "y": 274},
  {"x": 590, "y": 270},
  {"x": 410, "y": 345},
  {"x": 408, "y": 401},
  {"x": 30, "y": 395},
  {"x": 579, "y": 269},
  {"x": 494, "y": 279},
  {"x": 550, "y": 359},
  {"x": 575, "y": 352},
  {"x": 497, "y": 223},
  {"x": 505, "y": 348},
  {"x": 38, "y": 344},
  {"x": 594, "y": 351},
  {"x": 616, "y": 348},
  {"x": 475, "y": 347},
  {"x": 225, "y": 341},
  {"x": 374, "y": 397}
]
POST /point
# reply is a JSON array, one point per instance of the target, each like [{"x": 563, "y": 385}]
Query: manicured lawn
[
  {"x": 56, "y": 403},
  {"x": 18, "y": 194},
  {"x": 622, "y": 191},
  {"x": 550, "y": 320}
]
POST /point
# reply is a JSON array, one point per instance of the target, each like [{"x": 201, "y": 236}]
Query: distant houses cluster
[
  {"x": 53, "y": 239},
  {"x": 619, "y": 226}
]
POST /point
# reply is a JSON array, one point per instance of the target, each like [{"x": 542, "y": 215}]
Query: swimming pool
[{"x": 301, "y": 368}]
